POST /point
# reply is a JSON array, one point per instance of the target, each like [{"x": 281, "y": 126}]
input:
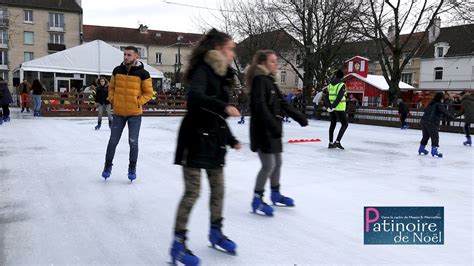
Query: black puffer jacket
[
  {"x": 204, "y": 133},
  {"x": 434, "y": 112},
  {"x": 101, "y": 95},
  {"x": 268, "y": 108}
]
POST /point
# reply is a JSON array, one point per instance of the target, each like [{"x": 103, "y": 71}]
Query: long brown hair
[
  {"x": 259, "y": 57},
  {"x": 210, "y": 41}
]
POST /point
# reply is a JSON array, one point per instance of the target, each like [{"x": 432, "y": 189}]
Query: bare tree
[
  {"x": 384, "y": 21},
  {"x": 317, "y": 30}
]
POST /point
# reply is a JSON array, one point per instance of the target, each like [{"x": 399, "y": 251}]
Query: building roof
[
  {"x": 460, "y": 40},
  {"x": 368, "y": 48},
  {"x": 130, "y": 35},
  {"x": 378, "y": 81},
  {"x": 275, "y": 40},
  {"x": 61, "y": 5}
]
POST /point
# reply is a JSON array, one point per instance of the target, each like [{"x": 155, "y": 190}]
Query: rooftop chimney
[
  {"x": 391, "y": 33},
  {"x": 433, "y": 31},
  {"x": 143, "y": 28}
]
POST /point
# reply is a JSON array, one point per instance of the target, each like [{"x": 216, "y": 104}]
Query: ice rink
[{"x": 55, "y": 208}]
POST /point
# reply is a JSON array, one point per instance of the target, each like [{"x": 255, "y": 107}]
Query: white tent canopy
[{"x": 93, "y": 58}]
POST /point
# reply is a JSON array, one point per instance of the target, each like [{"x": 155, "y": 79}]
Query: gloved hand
[{"x": 330, "y": 110}]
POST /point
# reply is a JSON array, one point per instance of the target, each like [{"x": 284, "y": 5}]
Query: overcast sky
[{"x": 157, "y": 14}]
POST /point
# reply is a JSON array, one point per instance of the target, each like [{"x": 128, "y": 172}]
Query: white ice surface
[{"x": 56, "y": 209}]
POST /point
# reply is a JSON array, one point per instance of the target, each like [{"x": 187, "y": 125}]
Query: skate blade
[
  {"x": 223, "y": 251},
  {"x": 283, "y": 205},
  {"x": 261, "y": 214}
]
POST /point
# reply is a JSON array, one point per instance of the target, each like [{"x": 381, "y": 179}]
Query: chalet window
[
  {"x": 440, "y": 51},
  {"x": 438, "y": 73}
]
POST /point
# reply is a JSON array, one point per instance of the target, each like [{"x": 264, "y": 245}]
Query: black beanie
[{"x": 339, "y": 74}]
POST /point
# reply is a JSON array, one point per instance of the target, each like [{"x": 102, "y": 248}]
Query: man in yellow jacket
[{"x": 130, "y": 88}]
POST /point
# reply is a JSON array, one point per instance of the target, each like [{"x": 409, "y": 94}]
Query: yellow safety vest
[{"x": 333, "y": 91}]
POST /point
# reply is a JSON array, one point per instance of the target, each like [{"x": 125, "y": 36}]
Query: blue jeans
[
  {"x": 118, "y": 124},
  {"x": 37, "y": 103}
]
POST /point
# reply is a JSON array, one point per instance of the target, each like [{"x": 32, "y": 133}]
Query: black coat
[
  {"x": 403, "y": 109},
  {"x": 268, "y": 107},
  {"x": 434, "y": 112},
  {"x": 5, "y": 95},
  {"x": 204, "y": 133},
  {"x": 101, "y": 95}
]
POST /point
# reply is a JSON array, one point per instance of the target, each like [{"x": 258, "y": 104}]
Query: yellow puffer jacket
[{"x": 130, "y": 90}]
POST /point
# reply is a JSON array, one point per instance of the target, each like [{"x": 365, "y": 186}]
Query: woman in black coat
[
  {"x": 430, "y": 125},
  {"x": 268, "y": 107},
  {"x": 5, "y": 100},
  {"x": 203, "y": 137}
]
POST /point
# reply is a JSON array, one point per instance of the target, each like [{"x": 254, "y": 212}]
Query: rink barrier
[
  {"x": 388, "y": 117},
  {"x": 78, "y": 105},
  {"x": 57, "y": 104}
]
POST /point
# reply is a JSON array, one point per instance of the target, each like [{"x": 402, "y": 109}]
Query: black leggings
[
  {"x": 6, "y": 110},
  {"x": 430, "y": 130},
  {"x": 342, "y": 117},
  {"x": 467, "y": 129}
]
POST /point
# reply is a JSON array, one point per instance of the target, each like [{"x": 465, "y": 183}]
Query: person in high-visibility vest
[{"x": 335, "y": 100}]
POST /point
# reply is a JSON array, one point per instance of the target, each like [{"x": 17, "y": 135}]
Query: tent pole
[{"x": 98, "y": 57}]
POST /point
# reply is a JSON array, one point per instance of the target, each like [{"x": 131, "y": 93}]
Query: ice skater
[
  {"x": 25, "y": 89},
  {"x": 38, "y": 90},
  {"x": 403, "y": 112},
  {"x": 242, "y": 101},
  {"x": 101, "y": 94},
  {"x": 268, "y": 108},
  {"x": 467, "y": 108},
  {"x": 335, "y": 100},
  {"x": 129, "y": 89},
  {"x": 430, "y": 125},
  {"x": 5, "y": 101},
  {"x": 203, "y": 137}
]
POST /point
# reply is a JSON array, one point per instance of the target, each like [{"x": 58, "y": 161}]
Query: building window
[
  {"x": 440, "y": 51},
  {"x": 141, "y": 52},
  {"x": 4, "y": 75},
  {"x": 283, "y": 77},
  {"x": 3, "y": 58},
  {"x": 177, "y": 59},
  {"x": 28, "y": 16},
  {"x": 297, "y": 80},
  {"x": 3, "y": 16},
  {"x": 438, "y": 73},
  {"x": 56, "y": 38},
  {"x": 407, "y": 78},
  {"x": 3, "y": 37},
  {"x": 56, "y": 20},
  {"x": 158, "y": 58},
  {"x": 28, "y": 37},
  {"x": 28, "y": 56}
]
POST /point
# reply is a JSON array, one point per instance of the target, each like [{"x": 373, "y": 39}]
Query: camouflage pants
[{"x": 192, "y": 183}]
